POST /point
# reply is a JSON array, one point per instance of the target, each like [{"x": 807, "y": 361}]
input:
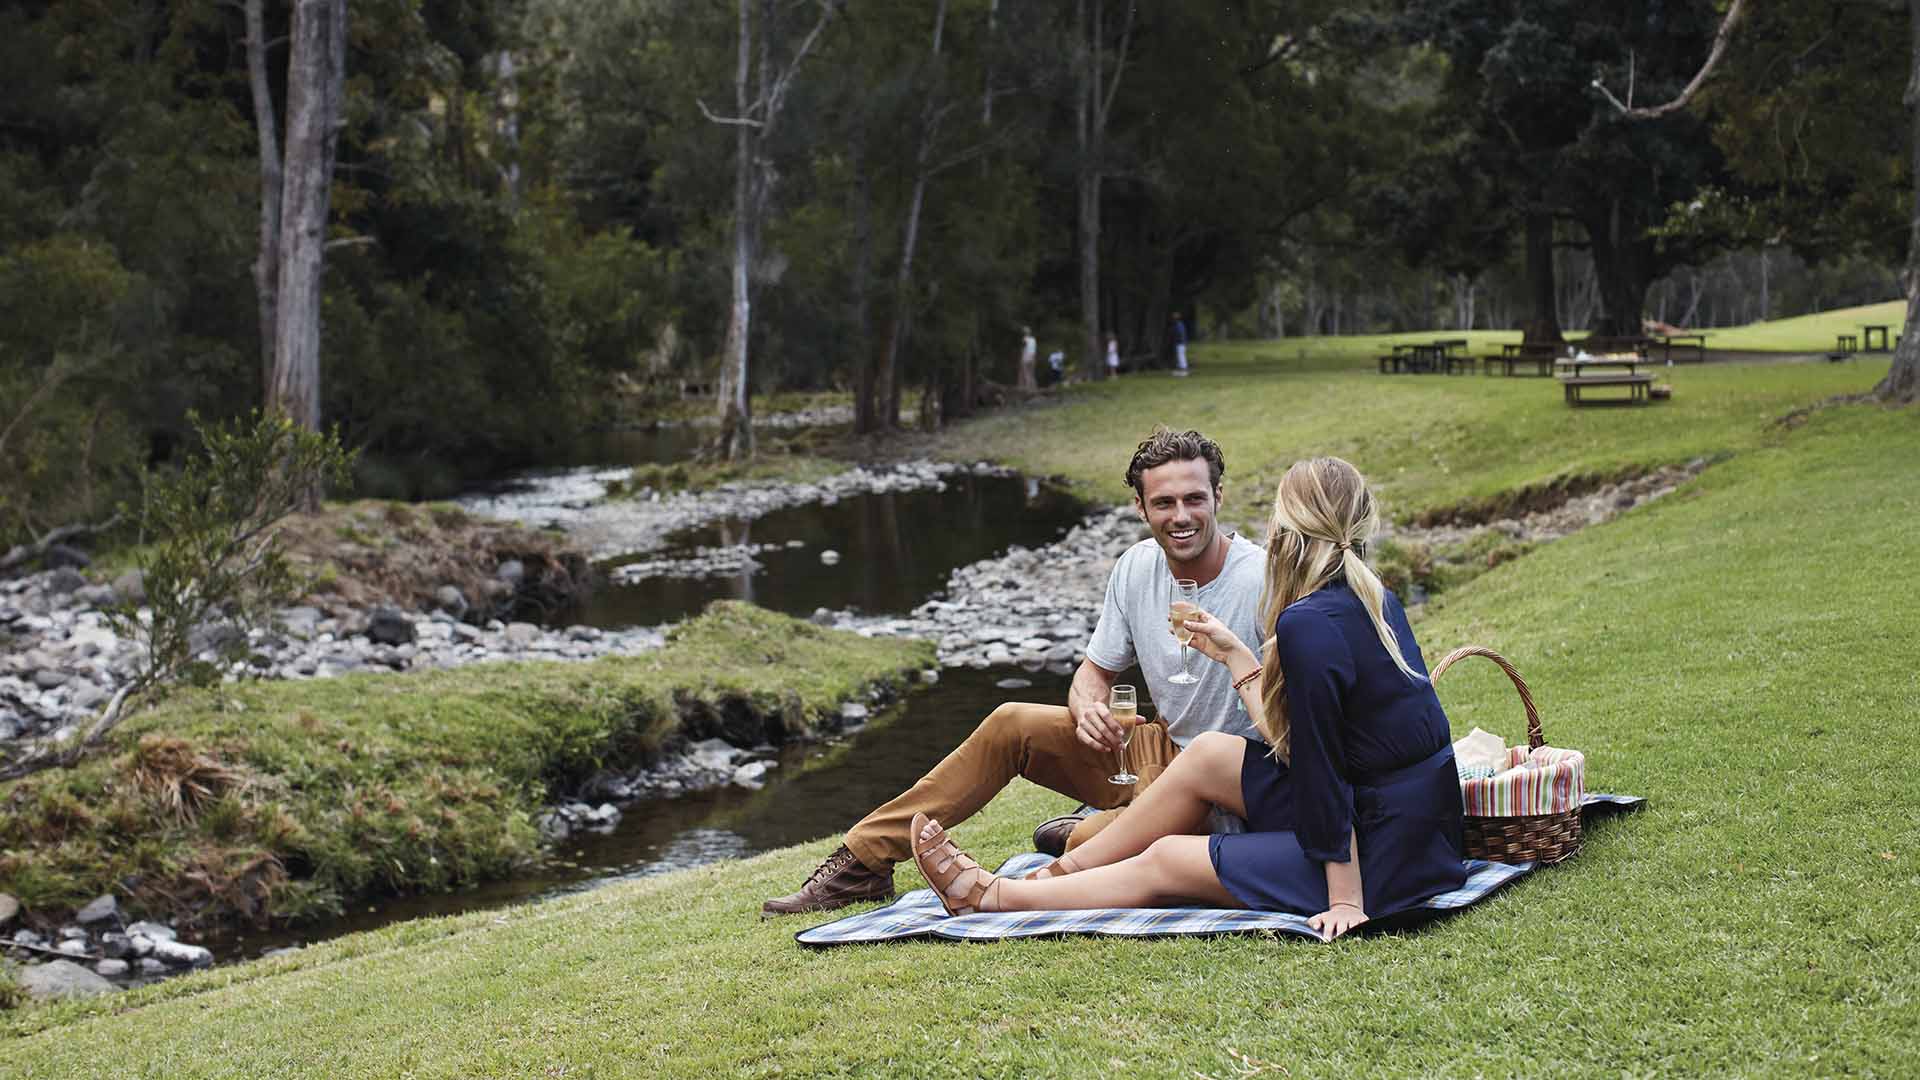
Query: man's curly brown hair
[{"x": 1163, "y": 446}]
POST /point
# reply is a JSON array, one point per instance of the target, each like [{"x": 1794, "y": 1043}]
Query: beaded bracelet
[{"x": 1247, "y": 678}]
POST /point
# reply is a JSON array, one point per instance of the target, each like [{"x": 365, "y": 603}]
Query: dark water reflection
[
  {"x": 817, "y": 791},
  {"x": 896, "y": 550},
  {"x": 660, "y": 445}
]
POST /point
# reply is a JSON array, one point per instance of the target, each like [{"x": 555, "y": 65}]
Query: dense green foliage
[
  {"x": 288, "y": 799},
  {"x": 532, "y": 205}
]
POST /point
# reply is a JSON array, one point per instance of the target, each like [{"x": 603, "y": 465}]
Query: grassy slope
[
  {"x": 1425, "y": 441},
  {"x": 1809, "y": 333},
  {"x": 1732, "y": 652},
  {"x": 368, "y": 784}
]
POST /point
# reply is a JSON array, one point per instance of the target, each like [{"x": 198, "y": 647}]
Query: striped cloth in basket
[{"x": 1555, "y": 783}]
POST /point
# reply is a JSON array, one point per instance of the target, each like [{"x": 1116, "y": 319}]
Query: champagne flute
[
  {"x": 1186, "y": 596},
  {"x": 1125, "y": 707}
]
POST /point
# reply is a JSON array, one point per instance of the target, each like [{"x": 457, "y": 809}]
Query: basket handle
[{"x": 1535, "y": 739}]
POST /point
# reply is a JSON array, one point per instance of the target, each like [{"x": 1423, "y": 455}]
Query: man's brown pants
[{"x": 1034, "y": 741}]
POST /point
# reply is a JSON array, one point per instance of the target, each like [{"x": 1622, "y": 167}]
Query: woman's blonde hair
[{"x": 1323, "y": 516}]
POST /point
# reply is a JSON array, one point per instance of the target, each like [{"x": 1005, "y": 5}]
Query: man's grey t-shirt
[{"x": 1133, "y": 627}]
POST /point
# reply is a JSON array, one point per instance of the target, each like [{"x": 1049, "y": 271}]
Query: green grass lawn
[
  {"x": 1427, "y": 442},
  {"x": 1741, "y": 653},
  {"x": 1809, "y": 333}
]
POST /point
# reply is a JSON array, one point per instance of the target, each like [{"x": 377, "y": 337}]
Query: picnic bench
[
  {"x": 1848, "y": 344},
  {"x": 1454, "y": 356},
  {"x": 1537, "y": 355},
  {"x": 1639, "y": 387},
  {"x": 1419, "y": 358},
  {"x": 1870, "y": 331},
  {"x": 1628, "y": 364},
  {"x": 1696, "y": 342},
  {"x": 1618, "y": 343}
]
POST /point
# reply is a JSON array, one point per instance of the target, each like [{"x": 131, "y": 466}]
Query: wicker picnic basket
[{"x": 1560, "y": 782}]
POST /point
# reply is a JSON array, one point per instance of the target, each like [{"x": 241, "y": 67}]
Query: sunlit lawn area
[{"x": 1428, "y": 441}]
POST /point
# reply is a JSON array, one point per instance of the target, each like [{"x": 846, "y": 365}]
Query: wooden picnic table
[
  {"x": 1454, "y": 356},
  {"x": 1870, "y": 331},
  {"x": 1538, "y": 356},
  {"x": 1573, "y": 365},
  {"x": 1639, "y": 387},
  {"x": 1696, "y": 342},
  {"x": 1847, "y": 343}
]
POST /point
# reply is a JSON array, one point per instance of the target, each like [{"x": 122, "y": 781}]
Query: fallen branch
[{"x": 25, "y": 553}]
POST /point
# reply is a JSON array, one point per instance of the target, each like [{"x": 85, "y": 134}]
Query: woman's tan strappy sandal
[
  {"x": 1059, "y": 867},
  {"x": 961, "y": 884}
]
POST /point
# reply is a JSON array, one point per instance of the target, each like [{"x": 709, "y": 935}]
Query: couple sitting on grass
[{"x": 1340, "y": 802}]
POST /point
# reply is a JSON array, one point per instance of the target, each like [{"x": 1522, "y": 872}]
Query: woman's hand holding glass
[{"x": 1214, "y": 640}]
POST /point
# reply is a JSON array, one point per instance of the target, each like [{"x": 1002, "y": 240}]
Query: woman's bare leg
[
  {"x": 1206, "y": 774},
  {"x": 1172, "y": 870}
]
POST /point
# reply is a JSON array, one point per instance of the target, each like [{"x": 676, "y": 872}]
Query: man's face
[{"x": 1179, "y": 505}]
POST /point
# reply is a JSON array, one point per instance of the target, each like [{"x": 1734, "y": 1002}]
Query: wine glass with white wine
[
  {"x": 1125, "y": 707},
  {"x": 1186, "y": 601}
]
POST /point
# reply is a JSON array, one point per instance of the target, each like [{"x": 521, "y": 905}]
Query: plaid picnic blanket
[{"x": 918, "y": 913}]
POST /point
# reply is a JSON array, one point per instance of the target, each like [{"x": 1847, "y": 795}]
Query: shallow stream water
[
  {"x": 894, "y": 550},
  {"x": 818, "y": 791}
]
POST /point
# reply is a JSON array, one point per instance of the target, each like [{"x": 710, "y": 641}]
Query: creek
[
  {"x": 893, "y": 550},
  {"x": 818, "y": 790}
]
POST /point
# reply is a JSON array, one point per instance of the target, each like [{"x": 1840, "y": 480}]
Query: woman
[{"x": 1353, "y": 804}]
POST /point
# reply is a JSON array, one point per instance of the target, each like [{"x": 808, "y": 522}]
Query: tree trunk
[
  {"x": 864, "y": 413},
  {"x": 735, "y": 439},
  {"x": 316, "y": 83},
  {"x": 1543, "y": 324},
  {"x": 266, "y": 260},
  {"x": 1902, "y": 383},
  {"x": 1621, "y": 256},
  {"x": 1088, "y": 188},
  {"x": 889, "y": 381}
]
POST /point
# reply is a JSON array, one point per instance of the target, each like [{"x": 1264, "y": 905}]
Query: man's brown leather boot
[{"x": 841, "y": 880}]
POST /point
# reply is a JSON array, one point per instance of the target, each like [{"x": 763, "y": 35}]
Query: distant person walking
[
  {"x": 1029, "y": 351},
  {"x": 1179, "y": 335},
  {"x": 1113, "y": 356},
  {"x": 1056, "y": 367}
]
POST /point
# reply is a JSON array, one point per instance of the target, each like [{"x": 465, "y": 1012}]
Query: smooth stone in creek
[
  {"x": 61, "y": 979},
  {"x": 390, "y": 626},
  {"x": 99, "y": 909},
  {"x": 182, "y": 954},
  {"x": 110, "y": 967},
  {"x": 9, "y": 907}
]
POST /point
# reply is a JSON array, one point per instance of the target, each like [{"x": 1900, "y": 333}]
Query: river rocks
[
  {"x": 513, "y": 572},
  {"x": 854, "y": 713},
  {"x": 62, "y": 979},
  {"x": 451, "y": 600},
  {"x": 131, "y": 587},
  {"x": 100, "y": 909},
  {"x": 611, "y": 526},
  {"x": 390, "y": 626},
  {"x": 62, "y": 661},
  {"x": 1567, "y": 516},
  {"x": 9, "y": 907},
  {"x": 181, "y": 954},
  {"x": 64, "y": 580},
  {"x": 829, "y": 557},
  {"x": 110, "y": 967}
]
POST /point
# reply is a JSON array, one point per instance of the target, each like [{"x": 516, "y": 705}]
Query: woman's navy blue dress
[{"x": 1371, "y": 754}]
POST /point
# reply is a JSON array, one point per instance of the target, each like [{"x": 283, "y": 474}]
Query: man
[
  {"x": 1179, "y": 334},
  {"x": 1072, "y": 750}
]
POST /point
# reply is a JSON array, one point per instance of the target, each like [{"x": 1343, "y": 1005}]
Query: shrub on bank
[{"x": 286, "y": 800}]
